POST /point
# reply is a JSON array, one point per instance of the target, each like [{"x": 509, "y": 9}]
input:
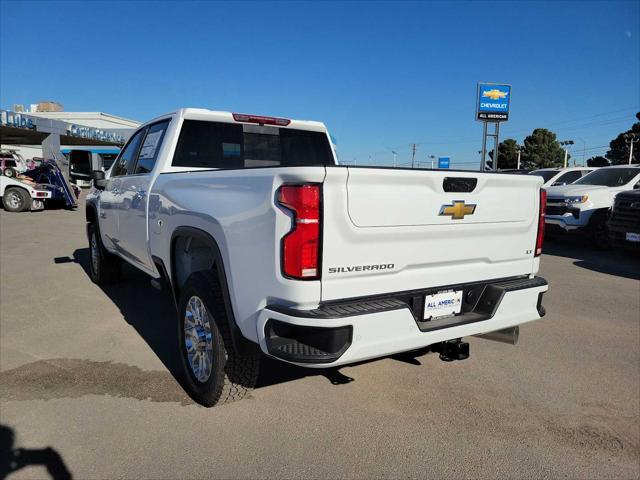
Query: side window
[
  {"x": 150, "y": 147},
  {"x": 569, "y": 177},
  {"x": 125, "y": 160}
]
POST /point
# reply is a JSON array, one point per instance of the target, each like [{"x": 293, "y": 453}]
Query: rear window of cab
[{"x": 205, "y": 144}]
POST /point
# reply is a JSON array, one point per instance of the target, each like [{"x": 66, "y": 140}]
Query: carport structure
[{"x": 17, "y": 128}]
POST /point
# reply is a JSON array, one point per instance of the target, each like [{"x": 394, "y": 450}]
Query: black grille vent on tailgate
[{"x": 459, "y": 184}]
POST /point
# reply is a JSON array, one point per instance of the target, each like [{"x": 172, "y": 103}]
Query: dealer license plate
[
  {"x": 633, "y": 237},
  {"x": 442, "y": 304}
]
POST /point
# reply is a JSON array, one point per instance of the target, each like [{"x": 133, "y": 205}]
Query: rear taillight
[
  {"x": 301, "y": 246},
  {"x": 541, "y": 217}
]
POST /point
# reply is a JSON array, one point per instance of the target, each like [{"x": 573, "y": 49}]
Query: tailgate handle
[{"x": 459, "y": 184}]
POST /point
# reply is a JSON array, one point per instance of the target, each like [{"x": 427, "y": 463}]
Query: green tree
[
  {"x": 542, "y": 150},
  {"x": 619, "y": 147},
  {"x": 507, "y": 154},
  {"x": 598, "y": 161}
]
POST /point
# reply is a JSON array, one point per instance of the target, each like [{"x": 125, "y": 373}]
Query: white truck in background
[
  {"x": 19, "y": 196},
  {"x": 584, "y": 206},
  {"x": 554, "y": 177},
  {"x": 268, "y": 246}
]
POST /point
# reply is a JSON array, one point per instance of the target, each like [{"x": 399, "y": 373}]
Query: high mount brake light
[
  {"x": 541, "y": 219},
  {"x": 301, "y": 246},
  {"x": 243, "y": 117}
]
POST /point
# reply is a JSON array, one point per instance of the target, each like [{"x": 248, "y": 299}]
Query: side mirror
[{"x": 98, "y": 179}]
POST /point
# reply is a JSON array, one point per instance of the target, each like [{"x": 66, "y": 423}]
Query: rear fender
[{"x": 239, "y": 341}]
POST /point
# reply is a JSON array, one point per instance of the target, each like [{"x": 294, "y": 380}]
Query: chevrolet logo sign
[
  {"x": 494, "y": 94},
  {"x": 457, "y": 210}
]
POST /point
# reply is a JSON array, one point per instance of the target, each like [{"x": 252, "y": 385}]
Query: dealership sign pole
[{"x": 492, "y": 106}]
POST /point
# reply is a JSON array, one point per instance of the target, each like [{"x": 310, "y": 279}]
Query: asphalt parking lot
[{"x": 87, "y": 385}]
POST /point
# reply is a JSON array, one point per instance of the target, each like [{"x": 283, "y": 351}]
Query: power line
[
  {"x": 576, "y": 127},
  {"x": 603, "y": 122},
  {"x": 597, "y": 115}
]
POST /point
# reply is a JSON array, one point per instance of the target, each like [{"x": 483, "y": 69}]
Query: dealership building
[
  {"x": 78, "y": 141},
  {"x": 94, "y": 131}
]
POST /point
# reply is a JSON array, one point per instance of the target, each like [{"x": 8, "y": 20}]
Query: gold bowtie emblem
[
  {"x": 457, "y": 210},
  {"x": 494, "y": 94}
]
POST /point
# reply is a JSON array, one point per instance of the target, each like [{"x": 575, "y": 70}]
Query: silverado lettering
[{"x": 362, "y": 268}]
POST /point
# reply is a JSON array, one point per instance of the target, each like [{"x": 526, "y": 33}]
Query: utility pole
[
  {"x": 630, "y": 139},
  {"x": 413, "y": 154},
  {"x": 565, "y": 144},
  {"x": 519, "y": 153},
  {"x": 584, "y": 147}
]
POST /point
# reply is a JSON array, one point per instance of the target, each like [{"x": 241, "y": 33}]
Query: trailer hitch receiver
[{"x": 452, "y": 350}]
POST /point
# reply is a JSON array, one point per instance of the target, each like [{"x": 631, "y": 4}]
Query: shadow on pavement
[
  {"x": 612, "y": 262},
  {"x": 14, "y": 459},
  {"x": 153, "y": 316}
]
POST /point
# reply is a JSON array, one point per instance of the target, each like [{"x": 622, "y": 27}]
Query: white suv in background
[
  {"x": 561, "y": 176},
  {"x": 585, "y": 204}
]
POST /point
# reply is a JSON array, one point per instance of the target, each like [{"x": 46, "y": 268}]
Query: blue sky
[{"x": 380, "y": 75}]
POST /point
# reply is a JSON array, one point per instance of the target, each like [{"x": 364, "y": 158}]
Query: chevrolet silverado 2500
[
  {"x": 584, "y": 206},
  {"x": 266, "y": 243}
]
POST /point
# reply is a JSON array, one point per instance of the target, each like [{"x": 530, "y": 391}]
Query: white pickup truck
[
  {"x": 266, "y": 243},
  {"x": 584, "y": 206}
]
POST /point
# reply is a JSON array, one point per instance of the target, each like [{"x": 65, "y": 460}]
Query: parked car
[
  {"x": 584, "y": 206},
  {"x": 624, "y": 221},
  {"x": 267, "y": 244},
  {"x": 19, "y": 196},
  {"x": 554, "y": 177}
]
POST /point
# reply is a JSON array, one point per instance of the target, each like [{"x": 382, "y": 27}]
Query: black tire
[
  {"x": 105, "y": 267},
  {"x": 232, "y": 374},
  {"x": 599, "y": 231},
  {"x": 10, "y": 172},
  {"x": 16, "y": 199}
]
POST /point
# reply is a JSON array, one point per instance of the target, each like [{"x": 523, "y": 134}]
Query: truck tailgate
[{"x": 410, "y": 229}]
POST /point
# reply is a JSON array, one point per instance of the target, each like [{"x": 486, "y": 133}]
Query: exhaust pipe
[{"x": 508, "y": 335}]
